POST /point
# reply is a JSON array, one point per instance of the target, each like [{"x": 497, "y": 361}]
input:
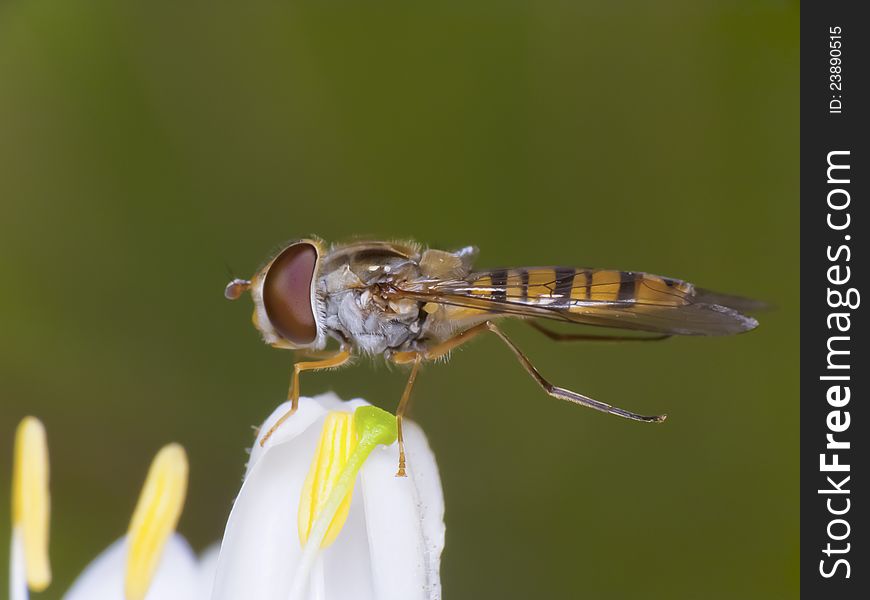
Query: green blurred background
[{"x": 148, "y": 148}]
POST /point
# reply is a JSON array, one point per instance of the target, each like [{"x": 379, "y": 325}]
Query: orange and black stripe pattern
[{"x": 567, "y": 287}]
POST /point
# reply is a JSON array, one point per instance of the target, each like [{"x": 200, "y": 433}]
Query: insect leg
[
  {"x": 562, "y": 393},
  {"x": 581, "y": 337},
  {"x": 400, "y": 413},
  {"x": 439, "y": 350},
  {"x": 417, "y": 358},
  {"x": 336, "y": 360},
  {"x": 315, "y": 354}
]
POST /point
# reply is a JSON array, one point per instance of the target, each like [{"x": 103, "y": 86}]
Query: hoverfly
[{"x": 413, "y": 305}]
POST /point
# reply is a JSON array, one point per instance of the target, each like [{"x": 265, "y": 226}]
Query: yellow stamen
[
  {"x": 155, "y": 518},
  {"x": 31, "y": 502},
  {"x": 337, "y": 442},
  {"x": 370, "y": 427}
]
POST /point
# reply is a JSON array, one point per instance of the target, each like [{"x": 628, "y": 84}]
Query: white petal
[
  {"x": 389, "y": 548},
  {"x": 17, "y": 569},
  {"x": 261, "y": 542},
  {"x": 430, "y": 503},
  {"x": 103, "y": 579},
  {"x": 405, "y": 520},
  {"x": 345, "y": 567},
  {"x": 310, "y": 410},
  {"x": 207, "y": 567},
  {"x": 330, "y": 401}
]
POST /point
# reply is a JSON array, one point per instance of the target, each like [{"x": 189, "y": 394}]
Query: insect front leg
[
  {"x": 336, "y": 360},
  {"x": 309, "y": 355}
]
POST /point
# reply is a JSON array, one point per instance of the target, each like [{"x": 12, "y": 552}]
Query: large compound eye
[{"x": 287, "y": 293}]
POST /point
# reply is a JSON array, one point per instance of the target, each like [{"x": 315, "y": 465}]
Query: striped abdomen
[{"x": 567, "y": 287}]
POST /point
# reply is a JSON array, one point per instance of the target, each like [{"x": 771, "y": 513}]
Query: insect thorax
[
  {"x": 359, "y": 284},
  {"x": 358, "y": 308}
]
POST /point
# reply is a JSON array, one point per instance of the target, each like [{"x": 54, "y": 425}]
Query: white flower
[
  {"x": 290, "y": 537},
  {"x": 151, "y": 562},
  {"x": 179, "y": 576},
  {"x": 31, "y": 506}
]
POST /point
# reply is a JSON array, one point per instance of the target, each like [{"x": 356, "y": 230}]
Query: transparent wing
[{"x": 599, "y": 297}]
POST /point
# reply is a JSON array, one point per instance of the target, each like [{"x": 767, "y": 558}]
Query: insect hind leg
[
  {"x": 582, "y": 337},
  {"x": 562, "y": 393}
]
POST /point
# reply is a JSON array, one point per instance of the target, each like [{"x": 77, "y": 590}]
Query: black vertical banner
[{"x": 835, "y": 183}]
